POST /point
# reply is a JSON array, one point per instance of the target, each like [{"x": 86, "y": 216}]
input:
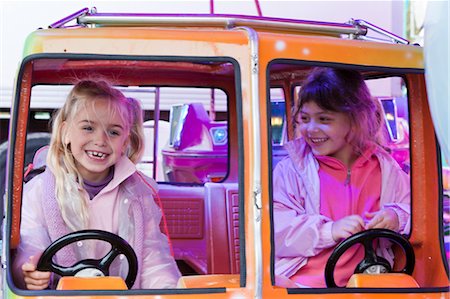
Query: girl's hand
[
  {"x": 346, "y": 227},
  {"x": 34, "y": 280},
  {"x": 386, "y": 218}
]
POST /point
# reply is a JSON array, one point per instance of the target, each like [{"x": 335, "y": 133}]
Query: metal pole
[
  {"x": 212, "y": 105},
  {"x": 156, "y": 115}
]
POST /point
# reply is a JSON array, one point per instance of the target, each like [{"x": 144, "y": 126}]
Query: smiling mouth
[
  {"x": 318, "y": 140},
  {"x": 96, "y": 155}
]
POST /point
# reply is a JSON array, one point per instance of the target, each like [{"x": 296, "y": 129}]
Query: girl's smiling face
[
  {"x": 98, "y": 137},
  {"x": 326, "y": 132}
]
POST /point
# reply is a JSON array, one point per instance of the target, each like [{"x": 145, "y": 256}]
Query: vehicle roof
[
  {"x": 162, "y": 38},
  {"x": 174, "y": 35}
]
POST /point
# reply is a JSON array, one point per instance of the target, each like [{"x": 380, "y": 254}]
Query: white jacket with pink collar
[{"x": 125, "y": 207}]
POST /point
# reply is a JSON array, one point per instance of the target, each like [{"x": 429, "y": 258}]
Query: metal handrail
[
  {"x": 392, "y": 37},
  {"x": 64, "y": 21},
  {"x": 355, "y": 29},
  {"x": 225, "y": 21}
]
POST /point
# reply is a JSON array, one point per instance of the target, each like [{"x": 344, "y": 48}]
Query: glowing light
[
  {"x": 277, "y": 121},
  {"x": 280, "y": 45},
  {"x": 389, "y": 116}
]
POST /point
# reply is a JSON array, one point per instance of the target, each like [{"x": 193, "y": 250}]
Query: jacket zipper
[{"x": 347, "y": 180}]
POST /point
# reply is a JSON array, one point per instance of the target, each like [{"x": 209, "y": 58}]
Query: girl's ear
[
  {"x": 125, "y": 146},
  {"x": 65, "y": 137},
  {"x": 351, "y": 132}
]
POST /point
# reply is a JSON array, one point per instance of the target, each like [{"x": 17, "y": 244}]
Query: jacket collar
[
  {"x": 123, "y": 169},
  {"x": 359, "y": 162},
  {"x": 300, "y": 153}
]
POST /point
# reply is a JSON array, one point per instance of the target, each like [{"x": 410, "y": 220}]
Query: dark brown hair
[{"x": 345, "y": 91}]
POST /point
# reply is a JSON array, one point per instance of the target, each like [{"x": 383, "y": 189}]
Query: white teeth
[
  {"x": 318, "y": 140},
  {"x": 97, "y": 155}
]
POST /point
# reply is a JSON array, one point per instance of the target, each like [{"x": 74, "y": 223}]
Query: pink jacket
[
  {"x": 300, "y": 230},
  {"x": 115, "y": 209}
]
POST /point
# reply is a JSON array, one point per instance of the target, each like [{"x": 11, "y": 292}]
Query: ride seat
[
  {"x": 183, "y": 207},
  {"x": 38, "y": 164},
  {"x": 222, "y": 212}
]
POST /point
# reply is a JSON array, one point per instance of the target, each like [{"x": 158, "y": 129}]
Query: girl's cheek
[{"x": 301, "y": 131}]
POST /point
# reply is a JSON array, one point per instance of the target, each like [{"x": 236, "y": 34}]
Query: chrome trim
[
  {"x": 254, "y": 48},
  {"x": 62, "y": 22},
  {"x": 4, "y": 256},
  {"x": 189, "y": 155},
  {"x": 156, "y": 115},
  {"x": 175, "y": 132},
  {"x": 148, "y": 20},
  {"x": 392, "y": 37},
  {"x": 355, "y": 29}
]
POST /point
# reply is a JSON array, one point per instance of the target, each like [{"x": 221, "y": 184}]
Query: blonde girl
[{"x": 91, "y": 182}]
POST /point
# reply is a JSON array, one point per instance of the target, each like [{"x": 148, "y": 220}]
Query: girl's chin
[
  {"x": 94, "y": 177},
  {"x": 92, "y": 172},
  {"x": 319, "y": 152}
]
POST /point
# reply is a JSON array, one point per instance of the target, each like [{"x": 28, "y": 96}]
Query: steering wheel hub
[{"x": 89, "y": 272}]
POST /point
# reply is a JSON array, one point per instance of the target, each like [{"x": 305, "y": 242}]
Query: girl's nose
[
  {"x": 100, "y": 138},
  {"x": 312, "y": 127}
]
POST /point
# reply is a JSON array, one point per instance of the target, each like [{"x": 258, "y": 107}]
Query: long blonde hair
[{"x": 60, "y": 159}]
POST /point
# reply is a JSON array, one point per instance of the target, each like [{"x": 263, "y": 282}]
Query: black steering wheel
[
  {"x": 370, "y": 258},
  {"x": 118, "y": 246}
]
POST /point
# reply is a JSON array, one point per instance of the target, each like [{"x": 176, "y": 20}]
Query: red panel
[
  {"x": 233, "y": 225},
  {"x": 184, "y": 217}
]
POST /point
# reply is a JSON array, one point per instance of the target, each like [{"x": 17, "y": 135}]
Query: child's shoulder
[
  {"x": 141, "y": 182},
  {"x": 387, "y": 163},
  {"x": 35, "y": 182}
]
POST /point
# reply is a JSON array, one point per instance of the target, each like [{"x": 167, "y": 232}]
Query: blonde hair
[{"x": 60, "y": 159}]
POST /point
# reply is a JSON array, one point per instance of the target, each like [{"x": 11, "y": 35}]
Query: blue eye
[{"x": 114, "y": 133}]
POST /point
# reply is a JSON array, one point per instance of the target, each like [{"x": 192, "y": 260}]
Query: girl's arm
[
  {"x": 398, "y": 197},
  {"x": 34, "y": 238},
  {"x": 297, "y": 233},
  {"x": 159, "y": 269}
]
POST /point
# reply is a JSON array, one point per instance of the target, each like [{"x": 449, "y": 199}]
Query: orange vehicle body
[{"x": 252, "y": 56}]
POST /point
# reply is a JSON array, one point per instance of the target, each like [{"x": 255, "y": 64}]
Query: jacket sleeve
[
  {"x": 298, "y": 232},
  {"x": 159, "y": 267},
  {"x": 398, "y": 196},
  {"x": 34, "y": 237}
]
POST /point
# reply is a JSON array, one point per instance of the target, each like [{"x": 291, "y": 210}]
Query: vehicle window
[
  {"x": 278, "y": 124},
  {"x": 311, "y": 207},
  {"x": 191, "y": 129},
  {"x": 446, "y": 207},
  {"x": 391, "y": 94},
  {"x": 190, "y": 149}
]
